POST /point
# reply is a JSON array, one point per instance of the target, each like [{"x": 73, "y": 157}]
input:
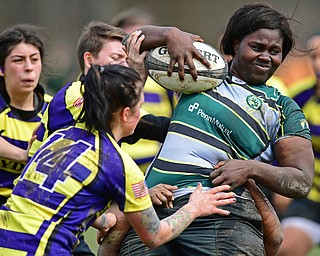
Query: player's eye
[{"x": 17, "y": 60}]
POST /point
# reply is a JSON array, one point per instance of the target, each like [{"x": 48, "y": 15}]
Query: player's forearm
[
  {"x": 156, "y": 36},
  {"x": 272, "y": 230},
  {"x": 287, "y": 181},
  {"x": 111, "y": 243},
  {"x": 9, "y": 151},
  {"x": 150, "y": 127},
  {"x": 170, "y": 227}
]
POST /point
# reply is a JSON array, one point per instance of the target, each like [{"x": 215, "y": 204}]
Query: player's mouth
[
  {"x": 262, "y": 67},
  {"x": 28, "y": 81}
]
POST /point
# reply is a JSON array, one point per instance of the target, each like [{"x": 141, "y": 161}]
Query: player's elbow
[
  {"x": 154, "y": 242},
  {"x": 272, "y": 246},
  {"x": 151, "y": 245},
  {"x": 305, "y": 188}
]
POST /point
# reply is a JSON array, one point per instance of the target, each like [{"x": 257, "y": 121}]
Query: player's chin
[{"x": 258, "y": 79}]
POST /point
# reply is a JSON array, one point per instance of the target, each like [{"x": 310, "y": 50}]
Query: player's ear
[
  {"x": 125, "y": 113},
  {"x": 235, "y": 46},
  {"x": 87, "y": 58},
  {"x": 1, "y": 71}
]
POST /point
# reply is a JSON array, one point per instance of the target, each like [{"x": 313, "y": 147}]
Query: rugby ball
[{"x": 158, "y": 59}]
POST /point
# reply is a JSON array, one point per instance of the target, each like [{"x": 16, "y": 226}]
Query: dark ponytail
[{"x": 108, "y": 89}]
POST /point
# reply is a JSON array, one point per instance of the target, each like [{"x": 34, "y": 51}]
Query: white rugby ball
[{"x": 158, "y": 59}]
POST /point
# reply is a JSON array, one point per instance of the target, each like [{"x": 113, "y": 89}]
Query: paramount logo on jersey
[{"x": 213, "y": 120}]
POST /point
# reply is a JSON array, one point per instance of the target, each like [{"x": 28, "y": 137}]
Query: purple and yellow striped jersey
[
  {"x": 68, "y": 183},
  {"x": 17, "y": 130}
]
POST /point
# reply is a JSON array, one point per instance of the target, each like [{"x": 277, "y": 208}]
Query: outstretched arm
[
  {"x": 154, "y": 232},
  {"x": 272, "y": 230},
  {"x": 160, "y": 194},
  {"x": 10, "y": 151},
  {"x": 150, "y": 127}
]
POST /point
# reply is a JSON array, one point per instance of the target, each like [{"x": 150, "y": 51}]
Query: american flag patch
[
  {"x": 78, "y": 102},
  {"x": 140, "y": 189}
]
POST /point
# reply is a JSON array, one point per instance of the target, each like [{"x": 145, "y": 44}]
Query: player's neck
[{"x": 23, "y": 102}]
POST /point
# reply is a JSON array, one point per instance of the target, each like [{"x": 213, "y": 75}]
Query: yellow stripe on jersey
[
  {"x": 6, "y": 192},
  {"x": 133, "y": 176},
  {"x": 11, "y": 252},
  {"x": 12, "y": 221},
  {"x": 19, "y": 131}
]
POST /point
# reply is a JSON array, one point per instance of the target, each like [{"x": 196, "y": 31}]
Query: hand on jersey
[
  {"x": 231, "y": 172},
  {"x": 161, "y": 195},
  {"x": 207, "y": 202}
]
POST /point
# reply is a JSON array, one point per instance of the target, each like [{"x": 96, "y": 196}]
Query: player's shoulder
[
  {"x": 47, "y": 97},
  {"x": 68, "y": 94},
  {"x": 72, "y": 88}
]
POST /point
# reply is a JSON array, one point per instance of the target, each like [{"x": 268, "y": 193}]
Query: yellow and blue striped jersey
[
  {"x": 17, "y": 126},
  {"x": 67, "y": 184},
  {"x": 63, "y": 110}
]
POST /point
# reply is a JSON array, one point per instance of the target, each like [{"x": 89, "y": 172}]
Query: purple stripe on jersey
[
  {"x": 40, "y": 132},
  {"x": 143, "y": 160},
  {"x": 59, "y": 117},
  {"x": 30, "y": 190},
  {"x": 60, "y": 242},
  {"x": 152, "y": 97},
  {"x": 18, "y": 241},
  {"x": 303, "y": 97},
  {"x": 314, "y": 129},
  {"x": 7, "y": 178},
  {"x": 316, "y": 154}
]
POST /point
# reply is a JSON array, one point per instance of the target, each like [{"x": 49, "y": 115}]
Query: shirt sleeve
[{"x": 293, "y": 121}]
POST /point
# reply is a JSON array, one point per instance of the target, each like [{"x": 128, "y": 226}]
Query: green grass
[{"x": 314, "y": 252}]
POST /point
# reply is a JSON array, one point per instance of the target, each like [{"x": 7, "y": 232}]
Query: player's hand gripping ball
[{"x": 158, "y": 59}]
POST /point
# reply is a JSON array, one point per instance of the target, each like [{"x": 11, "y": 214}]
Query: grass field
[{"x": 315, "y": 252}]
